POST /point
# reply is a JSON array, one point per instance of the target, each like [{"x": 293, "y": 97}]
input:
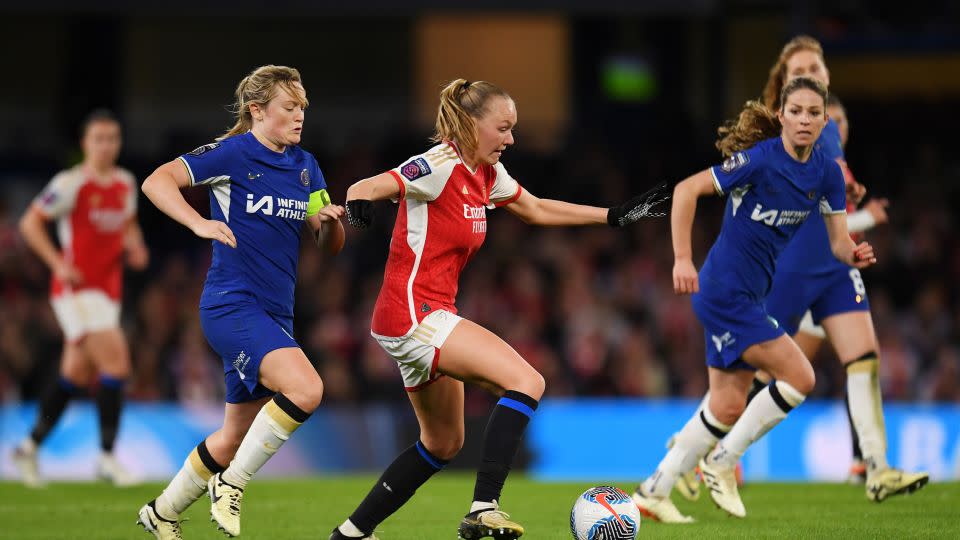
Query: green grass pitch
[{"x": 309, "y": 508}]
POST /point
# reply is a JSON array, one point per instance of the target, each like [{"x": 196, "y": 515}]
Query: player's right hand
[
  {"x": 68, "y": 273},
  {"x": 685, "y": 279},
  {"x": 216, "y": 230}
]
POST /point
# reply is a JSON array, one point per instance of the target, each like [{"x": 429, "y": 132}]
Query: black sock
[
  {"x": 395, "y": 487},
  {"x": 52, "y": 405},
  {"x": 857, "y": 455},
  {"x": 109, "y": 403},
  {"x": 758, "y": 385},
  {"x": 501, "y": 441}
]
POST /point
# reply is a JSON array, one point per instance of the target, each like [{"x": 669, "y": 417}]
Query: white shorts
[
  {"x": 85, "y": 311},
  {"x": 807, "y": 326},
  {"x": 417, "y": 353}
]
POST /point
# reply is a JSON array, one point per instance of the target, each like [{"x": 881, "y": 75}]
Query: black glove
[
  {"x": 360, "y": 213},
  {"x": 641, "y": 206}
]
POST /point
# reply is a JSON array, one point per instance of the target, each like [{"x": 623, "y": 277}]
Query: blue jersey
[
  {"x": 810, "y": 253},
  {"x": 771, "y": 195},
  {"x": 264, "y": 196}
]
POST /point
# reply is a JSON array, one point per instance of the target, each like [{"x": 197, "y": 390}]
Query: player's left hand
[
  {"x": 330, "y": 212},
  {"x": 138, "y": 256},
  {"x": 863, "y": 256},
  {"x": 641, "y": 206}
]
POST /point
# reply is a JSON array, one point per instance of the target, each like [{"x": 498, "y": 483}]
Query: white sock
[
  {"x": 767, "y": 409},
  {"x": 697, "y": 437},
  {"x": 269, "y": 430},
  {"x": 482, "y": 505},
  {"x": 350, "y": 530},
  {"x": 866, "y": 410},
  {"x": 185, "y": 488},
  {"x": 28, "y": 445}
]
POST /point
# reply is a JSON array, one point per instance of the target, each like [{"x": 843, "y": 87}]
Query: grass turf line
[{"x": 309, "y": 509}]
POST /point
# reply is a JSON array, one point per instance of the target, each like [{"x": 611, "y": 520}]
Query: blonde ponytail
[{"x": 461, "y": 104}]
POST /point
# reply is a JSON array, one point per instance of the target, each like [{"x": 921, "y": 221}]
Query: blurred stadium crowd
[{"x": 591, "y": 309}]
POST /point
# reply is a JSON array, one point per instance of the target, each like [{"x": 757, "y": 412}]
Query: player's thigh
[
  {"x": 851, "y": 334},
  {"x": 474, "y": 354},
  {"x": 782, "y": 359},
  {"x": 75, "y": 366},
  {"x": 728, "y": 392},
  {"x": 439, "y": 409},
  {"x": 289, "y": 372},
  {"x": 108, "y": 351}
]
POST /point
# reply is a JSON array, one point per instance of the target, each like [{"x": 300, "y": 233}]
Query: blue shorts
[
  {"x": 732, "y": 322},
  {"x": 242, "y": 333},
  {"x": 826, "y": 294}
]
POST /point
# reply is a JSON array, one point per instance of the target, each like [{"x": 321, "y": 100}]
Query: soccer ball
[{"x": 604, "y": 513}]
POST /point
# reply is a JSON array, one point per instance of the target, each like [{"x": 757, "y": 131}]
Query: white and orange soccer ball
[{"x": 604, "y": 513}]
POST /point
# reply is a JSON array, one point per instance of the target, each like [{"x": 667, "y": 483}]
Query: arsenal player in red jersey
[
  {"x": 444, "y": 196},
  {"x": 94, "y": 207}
]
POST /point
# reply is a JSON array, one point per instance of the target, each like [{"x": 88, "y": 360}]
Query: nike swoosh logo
[
  {"x": 602, "y": 501},
  {"x": 213, "y": 494}
]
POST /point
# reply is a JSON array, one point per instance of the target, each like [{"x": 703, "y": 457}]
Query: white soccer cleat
[
  {"x": 161, "y": 528},
  {"x": 890, "y": 481},
  {"x": 111, "y": 470},
  {"x": 659, "y": 509},
  {"x": 722, "y": 482},
  {"x": 26, "y": 462},
  {"x": 225, "y": 505}
]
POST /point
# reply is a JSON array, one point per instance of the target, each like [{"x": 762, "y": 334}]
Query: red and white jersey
[
  {"x": 92, "y": 216},
  {"x": 441, "y": 223}
]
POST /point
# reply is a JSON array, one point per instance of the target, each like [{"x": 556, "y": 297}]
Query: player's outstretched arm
[
  {"x": 549, "y": 212},
  {"x": 360, "y": 197},
  {"x": 844, "y": 249},
  {"x": 163, "y": 189},
  {"x": 685, "y": 195}
]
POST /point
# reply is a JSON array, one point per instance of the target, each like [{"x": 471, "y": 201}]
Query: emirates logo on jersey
[
  {"x": 478, "y": 215},
  {"x": 107, "y": 219}
]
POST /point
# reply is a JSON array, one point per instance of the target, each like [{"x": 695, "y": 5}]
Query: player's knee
[
  {"x": 803, "y": 381},
  {"x": 727, "y": 411},
  {"x": 532, "y": 384},
  {"x": 446, "y": 446},
  {"x": 308, "y": 394}
]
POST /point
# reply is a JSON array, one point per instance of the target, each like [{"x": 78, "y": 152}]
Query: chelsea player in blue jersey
[
  {"x": 834, "y": 293},
  {"x": 809, "y": 280},
  {"x": 774, "y": 185},
  {"x": 263, "y": 187}
]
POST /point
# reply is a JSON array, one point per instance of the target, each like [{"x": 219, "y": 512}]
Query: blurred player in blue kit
[
  {"x": 263, "y": 187},
  {"x": 811, "y": 288},
  {"x": 776, "y": 178}
]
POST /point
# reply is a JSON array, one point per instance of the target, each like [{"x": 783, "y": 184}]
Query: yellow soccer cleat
[
  {"x": 225, "y": 505},
  {"x": 489, "y": 523},
  {"x": 659, "y": 509},
  {"x": 161, "y": 528},
  {"x": 722, "y": 482},
  {"x": 883, "y": 484}
]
